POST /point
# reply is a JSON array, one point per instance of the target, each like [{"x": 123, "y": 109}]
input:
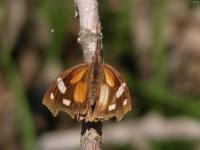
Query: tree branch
[
  {"x": 90, "y": 27},
  {"x": 91, "y": 136},
  {"x": 89, "y": 37}
]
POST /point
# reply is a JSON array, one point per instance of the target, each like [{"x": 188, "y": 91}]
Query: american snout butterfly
[{"x": 90, "y": 92}]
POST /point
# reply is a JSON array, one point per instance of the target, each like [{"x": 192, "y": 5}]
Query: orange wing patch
[
  {"x": 80, "y": 92},
  {"x": 110, "y": 79},
  {"x": 77, "y": 75}
]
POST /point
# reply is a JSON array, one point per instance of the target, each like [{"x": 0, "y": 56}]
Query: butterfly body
[
  {"x": 92, "y": 92},
  {"x": 94, "y": 84}
]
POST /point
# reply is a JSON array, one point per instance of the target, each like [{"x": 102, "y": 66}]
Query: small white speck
[
  {"x": 52, "y": 30},
  {"x": 66, "y": 102},
  {"x": 86, "y": 9},
  {"x": 111, "y": 107},
  {"x": 51, "y": 96},
  {"x": 125, "y": 102}
]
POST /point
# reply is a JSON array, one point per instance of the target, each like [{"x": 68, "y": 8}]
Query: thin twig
[
  {"x": 90, "y": 27},
  {"x": 91, "y": 136},
  {"x": 89, "y": 35}
]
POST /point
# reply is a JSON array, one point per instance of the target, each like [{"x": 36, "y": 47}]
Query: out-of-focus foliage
[
  {"x": 155, "y": 44},
  {"x": 168, "y": 145}
]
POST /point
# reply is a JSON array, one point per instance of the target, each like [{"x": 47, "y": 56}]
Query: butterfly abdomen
[
  {"x": 93, "y": 92},
  {"x": 94, "y": 85}
]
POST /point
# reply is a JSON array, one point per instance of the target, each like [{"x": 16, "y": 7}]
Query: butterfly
[{"x": 91, "y": 91}]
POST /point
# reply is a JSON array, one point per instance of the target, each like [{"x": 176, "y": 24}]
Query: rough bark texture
[
  {"x": 90, "y": 27},
  {"x": 89, "y": 36},
  {"x": 91, "y": 136}
]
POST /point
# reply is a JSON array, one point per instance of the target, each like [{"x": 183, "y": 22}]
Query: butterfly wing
[
  {"x": 114, "y": 99},
  {"x": 68, "y": 92}
]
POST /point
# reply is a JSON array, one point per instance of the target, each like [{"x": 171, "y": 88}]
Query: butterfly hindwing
[
  {"x": 114, "y": 99},
  {"x": 122, "y": 95},
  {"x": 68, "y": 92}
]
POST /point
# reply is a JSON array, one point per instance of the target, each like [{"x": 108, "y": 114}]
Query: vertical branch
[
  {"x": 91, "y": 136},
  {"x": 90, "y": 27},
  {"x": 89, "y": 37}
]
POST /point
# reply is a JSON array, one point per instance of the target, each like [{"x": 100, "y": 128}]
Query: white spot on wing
[
  {"x": 61, "y": 85},
  {"x": 51, "y": 96},
  {"x": 111, "y": 107},
  {"x": 120, "y": 90},
  {"x": 66, "y": 102},
  {"x": 104, "y": 93},
  {"x": 125, "y": 102}
]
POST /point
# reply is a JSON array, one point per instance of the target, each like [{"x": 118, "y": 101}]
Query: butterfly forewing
[
  {"x": 68, "y": 92},
  {"x": 114, "y": 99}
]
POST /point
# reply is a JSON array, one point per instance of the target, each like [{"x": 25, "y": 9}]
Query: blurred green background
[{"x": 155, "y": 44}]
